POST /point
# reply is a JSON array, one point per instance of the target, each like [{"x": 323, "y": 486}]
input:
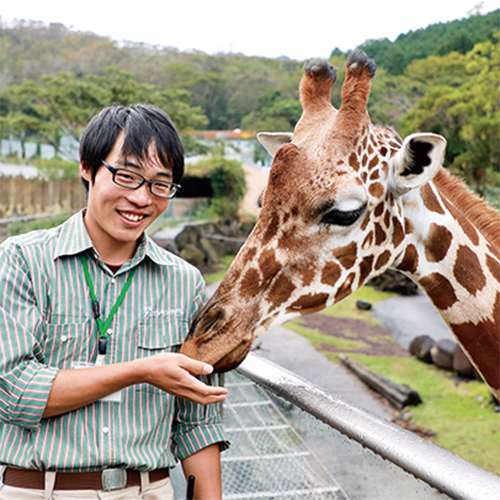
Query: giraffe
[{"x": 345, "y": 201}]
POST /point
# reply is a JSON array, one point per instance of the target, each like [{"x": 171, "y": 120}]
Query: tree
[
  {"x": 62, "y": 104},
  {"x": 462, "y": 103}
]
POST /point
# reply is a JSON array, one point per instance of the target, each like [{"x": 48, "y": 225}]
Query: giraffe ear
[
  {"x": 416, "y": 163},
  {"x": 273, "y": 140}
]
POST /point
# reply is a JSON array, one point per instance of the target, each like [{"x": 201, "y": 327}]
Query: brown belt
[{"x": 109, "y": 479}]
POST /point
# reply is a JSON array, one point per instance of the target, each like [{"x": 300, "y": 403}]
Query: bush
[{"x": 228, "y": 182}]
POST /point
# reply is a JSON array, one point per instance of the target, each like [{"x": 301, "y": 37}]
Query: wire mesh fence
[{"x": 268, "y": 458}]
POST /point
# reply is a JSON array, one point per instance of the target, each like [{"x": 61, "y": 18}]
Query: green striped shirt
[{"x": 46, "y": 324}]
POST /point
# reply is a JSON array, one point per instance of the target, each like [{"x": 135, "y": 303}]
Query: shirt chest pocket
[
  {"x": 67, "y": 342},
  {"x": 162, "y": 332}
]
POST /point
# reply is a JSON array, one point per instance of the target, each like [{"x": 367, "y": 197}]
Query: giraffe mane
[{"x": 475, "y": 209}]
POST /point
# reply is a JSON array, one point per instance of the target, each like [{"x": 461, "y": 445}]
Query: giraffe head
[{"x": 331, "y": 216}]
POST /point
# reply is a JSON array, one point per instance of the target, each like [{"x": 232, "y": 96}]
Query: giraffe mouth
[{"x": 216, "y": 339}]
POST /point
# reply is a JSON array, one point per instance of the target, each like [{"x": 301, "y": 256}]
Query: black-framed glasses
[{"x": 132, "y": 180}]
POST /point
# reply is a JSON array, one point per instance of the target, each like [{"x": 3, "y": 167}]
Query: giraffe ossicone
[{"x": 345, "y": 201}]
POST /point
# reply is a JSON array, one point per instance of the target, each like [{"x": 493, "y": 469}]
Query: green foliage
[
  {"x": 435, "y": 40},
  {"x": 61, "y": 104},
  {"x": 443, "y": 78},
  {"x": 227, "y": 179},
  {"x": 461, "y": 102}
]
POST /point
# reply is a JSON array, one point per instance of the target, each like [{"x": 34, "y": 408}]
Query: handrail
[{"x": 436, "y": 466}]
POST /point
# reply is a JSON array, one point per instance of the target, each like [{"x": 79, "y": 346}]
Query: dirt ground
[{"x": 373, "y": 340}]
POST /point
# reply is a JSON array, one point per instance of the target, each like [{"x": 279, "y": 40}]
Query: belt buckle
[{"x": 113, "y": 479}]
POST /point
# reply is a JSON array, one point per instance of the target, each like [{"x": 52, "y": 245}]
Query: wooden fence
[{"x": 20, "y": 196}]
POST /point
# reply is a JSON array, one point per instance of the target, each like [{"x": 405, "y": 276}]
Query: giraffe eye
[{"x": 341, "y": 217}]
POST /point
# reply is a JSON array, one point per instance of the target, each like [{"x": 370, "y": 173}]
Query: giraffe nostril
[{"x": 205, "y": 321}]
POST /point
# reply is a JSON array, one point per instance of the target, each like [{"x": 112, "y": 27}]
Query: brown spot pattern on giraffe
[
  {"x": 408, "y": 226},
  {"x": 430, "y": 200},
  {"x": 484, "y": 349},
  {"x": 346, "y": 289},
  {"x": 312, "y": 302},
  {"x": 467, "y": 227},
  {"x": 380, "y": 234},
  {"x": 248, "y": 256},
  {"x": 376, "y": 189},
  {"x": 373, "y": 163},
  {"x": 468, "y": 271},
  {"x": 250, "y": 283},
  {"x": 347, "y": 255},
  {"x": 268, "y": 265},
  {"x": 398, "y": 234},
  {"x": 331, "y": 274},
  {"x": 368, "y": 240},
  {"x": 281, "y": 291},
  {"x": 440, "y": 290},
  {"x": 365, "y": 267},
  {"x": 382, "y": 259},
  {"x": 410, "y": 260},
  {"x": 307, "y": 273},
  {"x": 438, "y": 243},
  {"x": 493, "y": 266},
  {"x": 271, "y": 229},
  {"x": 353, "y": 161}
]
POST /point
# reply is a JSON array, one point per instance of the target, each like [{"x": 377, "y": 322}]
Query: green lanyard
[{"x": 103, "y": 326}]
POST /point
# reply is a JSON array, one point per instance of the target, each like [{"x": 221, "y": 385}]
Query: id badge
[{"x": 115, "y": 397}]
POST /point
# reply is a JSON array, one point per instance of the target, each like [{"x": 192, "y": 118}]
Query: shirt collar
[{"x": 74, "y": 239}]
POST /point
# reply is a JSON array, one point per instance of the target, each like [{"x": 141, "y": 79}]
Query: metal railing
[{"x": 436, "y": 466}]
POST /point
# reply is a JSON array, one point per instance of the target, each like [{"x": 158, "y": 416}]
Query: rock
[
  {"x": 461, "y": 363},
  {"x": 211, "y": 255},
  {"x": 394, "y": 281},
  {"x": 363, "y": 305},
  {"x": 421, "y": 346},
  {"x": 193, "y": 255},
  {"x": 442, "y": 353},
  {"x": 225, "y": 245}
]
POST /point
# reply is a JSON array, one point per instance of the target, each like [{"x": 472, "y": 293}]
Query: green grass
[
  {"x": 318, "y": 339},
  {"x": 460, "y": 414},
  {"x": 347, "y": 307},
  {"x": 223, "y": 266}
]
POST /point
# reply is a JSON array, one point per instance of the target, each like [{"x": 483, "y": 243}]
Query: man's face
[{"x": 116, "y": 217}]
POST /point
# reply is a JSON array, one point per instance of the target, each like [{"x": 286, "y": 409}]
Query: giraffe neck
[{"x": 453, "y": 254}]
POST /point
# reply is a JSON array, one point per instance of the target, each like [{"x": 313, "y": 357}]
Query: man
[{"x": 93, "y": 394}]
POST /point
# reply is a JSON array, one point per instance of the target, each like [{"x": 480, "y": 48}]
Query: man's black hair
[{"x": 144, "y": 126}]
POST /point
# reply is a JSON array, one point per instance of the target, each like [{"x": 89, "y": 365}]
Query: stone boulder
[
  {"x": 462, "y": 364},
  {"x": 193, "y": 255},
  {"x": 421, "y": 346},
  {"x": 442, "y": 353},
  {"x": 394, "y": 281}
]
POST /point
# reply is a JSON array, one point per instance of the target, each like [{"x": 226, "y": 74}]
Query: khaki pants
[{"x": 159, "y": 490}]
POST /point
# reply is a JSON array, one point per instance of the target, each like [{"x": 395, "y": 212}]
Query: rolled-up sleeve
[
  {"x": 25, "y": 381},
  {"x": 198, "y": 426}
]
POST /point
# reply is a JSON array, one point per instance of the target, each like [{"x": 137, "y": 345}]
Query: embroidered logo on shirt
[{"x": 149, "y": 311}]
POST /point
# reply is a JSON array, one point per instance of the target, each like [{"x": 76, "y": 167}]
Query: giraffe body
[{"x": 345, "y": 201}]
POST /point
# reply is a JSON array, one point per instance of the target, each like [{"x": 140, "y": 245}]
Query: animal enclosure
[{"x": 20, "y": 196}]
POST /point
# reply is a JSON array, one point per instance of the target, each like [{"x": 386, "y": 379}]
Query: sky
[{"x": 300, "y": 29}]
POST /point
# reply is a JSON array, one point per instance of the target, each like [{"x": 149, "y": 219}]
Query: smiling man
[{"x": 94, "y": 395}]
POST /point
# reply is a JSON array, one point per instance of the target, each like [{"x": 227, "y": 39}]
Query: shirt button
[
  {"x": 109, "y": 331},
  {"x": 64, "y": 338},
  {"x": 105, "y": 430},
  {"x": 113, "y": 281}
]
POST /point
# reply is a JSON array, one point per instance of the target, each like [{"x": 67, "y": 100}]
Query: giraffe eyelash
[{"x": 341, "y": 217}]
